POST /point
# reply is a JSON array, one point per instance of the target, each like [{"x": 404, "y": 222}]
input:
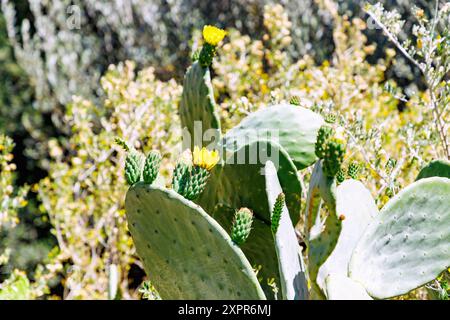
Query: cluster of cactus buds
[
  {"x": 330, "y": 146},
  {"x": 295, "y": 100},
  {"x": 242, "y": 225},
  {"x": 190, "y": 180},
  {"x": 138, "y": 167}
]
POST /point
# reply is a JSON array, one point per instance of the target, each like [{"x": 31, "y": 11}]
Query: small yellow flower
[
  {"x": 213, "y": 35},
  {"x": 205, "y": 158}
]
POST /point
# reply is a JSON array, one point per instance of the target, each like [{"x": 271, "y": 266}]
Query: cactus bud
[
  {"x": 330, "y": 118},
  {"x": 194, "y": 182},
  {"x": 276, "y": 212},
  {"x": 334, "y": 156},
  {"x": 133, "y": 166},
  {"x": 178, "y": 178},
  {"x": 353, "y": 170},
  {"x": 242, "y": 225},
  {"x": 295, "y": 100},
  {"x": 151, "y": 167},
  {"x": 323, "y": 135},
  {"x": 340, "y": 176}
]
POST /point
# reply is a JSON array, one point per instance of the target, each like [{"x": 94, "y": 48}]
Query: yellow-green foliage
[{"x": 10, "y": 199}]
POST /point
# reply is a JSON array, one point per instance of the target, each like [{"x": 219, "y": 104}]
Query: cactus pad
[
  {"x": 184, "y": 251},
  {"x": 294, "y": 128},
  {"x": 356, "y": 207},
  {"x": 341, "y": 287},
  {"x": 407, "y": 244},
  {"x": 292, "y": 270},
  {"x": 436, "y": 168},
  {"x": 198, "y": 104}
]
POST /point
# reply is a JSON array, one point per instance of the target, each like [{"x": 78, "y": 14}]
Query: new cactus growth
[
  {"x": 295, "y": 100},
  {"x": 242, "y": 225},
  {"x": 353, "y": 170},
  {"x": 276, "y": 212},
  {"x": 340, "y": 176},
  {"x": 325, "y": 132},
  {"x": 190, "y": 181},
  {"x": 333, "y": 156},
  {"x": 133, "y": 166},
  {"x": 151, "y": 167}
]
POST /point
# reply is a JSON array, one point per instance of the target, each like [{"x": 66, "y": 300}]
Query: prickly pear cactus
[
  {"x": 436, "y": 168},
  {"x": 290, "y": 261},
  {"x": 185, "y": 252},
  {"x": 197, "y": 107},
  {"x": 407, "y": 244}
]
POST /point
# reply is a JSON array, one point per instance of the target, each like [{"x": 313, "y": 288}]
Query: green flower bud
[
  {"x": 134, "y": 163},
  {"x": 295, "y": 100},
  {"x": 242, "y": 225},
  {"x": 334, "y": 156},
  {"x": 206, "y": 55},
  {"x": 151, "y": 167},
  {"x": 353, "y": 170},
  {"x": 340, "y": 176},
  {"x": 325, "y": 132}
]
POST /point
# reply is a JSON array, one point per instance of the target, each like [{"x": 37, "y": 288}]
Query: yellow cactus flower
[
  {"x": 213, "y": 35},
  {"x": 205, "y": 158}
]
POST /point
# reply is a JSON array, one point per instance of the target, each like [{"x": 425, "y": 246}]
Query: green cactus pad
[
  {"x": 407, "y": 244},
  {"x": 436, "y": 168},
  {"x": 356, "y": 207},
  {"x": 185, "y": 252},
  {"x": 290, "y": 262},
  {"x": 294, "y": 128},
  {"x": 197, "y": 104},
  {"x": 341, "y": 287},
  {"x": 322, "y": 235},
  {"x": 242, "y": 185}
]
